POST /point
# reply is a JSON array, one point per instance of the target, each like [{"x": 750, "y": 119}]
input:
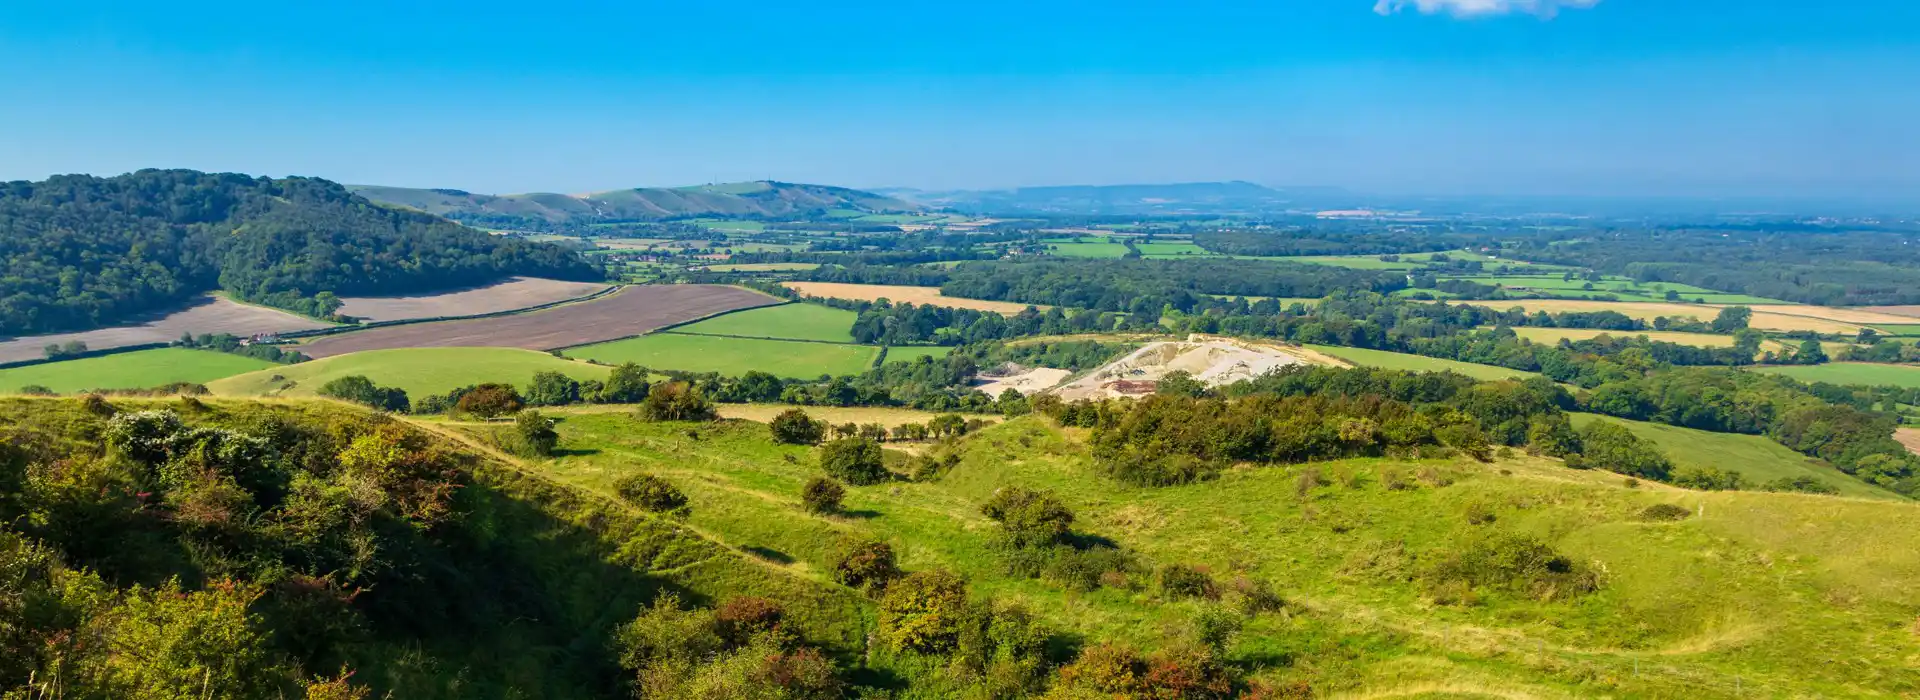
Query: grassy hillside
[
  {"x": 420, "y": 371},
  {"x": 1768, "y": 594},
  {"x": 732, "y": 356},
  {"x": 1757, "y": 458},
  {"x": 743, "y": 199},
  {"x": 130, "y": 370},
  {"x": 786, "y": 321},
  {"x": 1851, "y": 373},
  {"x": 1420, "y": 363}
]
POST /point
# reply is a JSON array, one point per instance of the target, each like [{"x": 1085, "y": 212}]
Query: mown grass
[
  {"x": 1419, "y": 363},
  {"x": 787, "y": 321},
  {"x": 420, "y": 371},
  {"x": 732, "y": 356},
  {"x": 1756, "y": 457},
  {"x": 909, "y": 353},
  {"x": 1850, "y": 373},
  {"x": 1793, "y": 595},
  {"x": 1087, "y": 250},
  {"x": 130, "y": 370}
]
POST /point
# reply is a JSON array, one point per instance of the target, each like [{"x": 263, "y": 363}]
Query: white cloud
[{"x": 1477, "y": 8}]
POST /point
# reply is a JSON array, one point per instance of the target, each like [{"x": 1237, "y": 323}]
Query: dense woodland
[
  {"x": 80, "y": 252},
  {"x": 1805, "y": 264}
]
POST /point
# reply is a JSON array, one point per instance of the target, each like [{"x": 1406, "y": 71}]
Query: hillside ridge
[{"x": 739, "y": 199}]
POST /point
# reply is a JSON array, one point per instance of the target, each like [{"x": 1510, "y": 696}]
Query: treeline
[
  {"x": 78, "y": 251},
  {"x": 1327, "y": 242},
  {"x": 1811, "y": 265},
  {"x": 229, "y": 343}
]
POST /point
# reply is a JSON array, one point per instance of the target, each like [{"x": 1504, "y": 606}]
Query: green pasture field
[
  {"x": 797, "y": 321},
  {"x": 1862, "y": 373},
  {"x": 1172, "y": 250},
  {"x": 141, "y": 369},
  {"x": 764, "y": 267},
  {"x": 723, "y": 225},
  {"x": 1901, "y": 330},
  {"x": 1757, "y": 458},
  {"x": 1753, "y": 582},
  {"x": 733, "y": 356},
  {"x": 1087, "y": 250},
  {"x": 909, "y": 353},
  {"x": 1357, "y": 262},
  {"x": 420, "y": 371},
  {"x": 1419, "y": 363}
]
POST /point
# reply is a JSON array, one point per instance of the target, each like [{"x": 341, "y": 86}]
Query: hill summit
[{"x": 738, "y": 199}]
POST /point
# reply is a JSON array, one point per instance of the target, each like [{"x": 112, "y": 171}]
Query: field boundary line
[
  {"x": 665, "y": 329},
  {"x": 762, "y": 337}
]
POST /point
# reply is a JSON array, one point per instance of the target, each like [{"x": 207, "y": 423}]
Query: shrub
[
  {"x": 1215, "y": 627},
  {"x": 534, "y": 434},
  {"x": 552, "y": 389},
  {"x": 865, "y": 565},
  {"x": 650, "y": 492},
  {"x": 1708, "y": 479},
  {"x": 822, "y": 495},
  {"x": 1179, "y": 581},
  {"x": 738, "y": 619},
  {"x": 794, "y": 427},
  {"x": 675, "y": 401},
  {"x": 1029, "y": 518},
  {"x": 1509, "y": 562},
  {"x": 922, "y": 612},
  {"x": 1665, "y": 512},
  {"x": 857, "y": 461},
  {"x": 489, "y": 401},
  {"x": 1254, "y": 596},
  {"x": 362, "y": 390},
  {"x": 1616, "y": 449},
  {"x": 627, "y": 384},
  {"x": 1799, "y": 484},
  {"x": 1085, "y": 569}
]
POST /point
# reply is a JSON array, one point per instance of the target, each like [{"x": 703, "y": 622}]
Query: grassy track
[
  {"x": 130, "y": 370},
  {"x": 1756, "y": 457},
  {"x": 787, "y": 321},
  {"x": 733, "y": 356},
  {"x": 1748, "y": 591},
  {"x": 1417, "y": 363},
  {"x": 1851, "y": 373},
  {"x": 420, "y": 371}
]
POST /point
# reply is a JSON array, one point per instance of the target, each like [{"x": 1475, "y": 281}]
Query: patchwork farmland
[
  {"x": 901, "y": 294},
  {"x": 511, "y": 294},
  {"x": 207, "y": 314},
  {"x": 629, "y": 312}
]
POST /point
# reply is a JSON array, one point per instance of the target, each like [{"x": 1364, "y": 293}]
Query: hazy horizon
[{"x": 1504, "y": 98}]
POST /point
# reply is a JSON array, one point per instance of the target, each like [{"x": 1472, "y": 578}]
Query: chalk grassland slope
[
  {"x": 531, "y": 576},
  {"x": 786, "y": 321},
  {"x": 748, "y": 199},
  {"x": 420, "y": 371},
  {"x": 141, "y": 369},
  {"x": 1647, "y": 311},
  {"x": 508, "y": 295},
  {"x": 733, "y": 356},
  {"x": 1851, "y": 373},
  {"x": 901, "y": 294},
  {"x": 1418, "y": 363},
  {"x": 1795, "y": 595},
  {"x": 1757, "y": 458},
  {"x": 207, "y": 314},
  {"x": 628, "y": 312}
]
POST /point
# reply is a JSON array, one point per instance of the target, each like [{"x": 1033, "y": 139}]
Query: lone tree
[
  {"x": 857, "y": 461},
  {"x": 822, "y": 495},
  {"x": 488, "y": 401},
  {"x": 675, "y": 401},
  {"x": 536, "y": 434},
  {"x": 794, "y": 427},
  {"x": 627, "y": 384},
  {"x": 1732, "y": 318}
]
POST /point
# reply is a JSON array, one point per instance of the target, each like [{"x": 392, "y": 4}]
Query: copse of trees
[
  {"x": 675, "y": 401},
  {"x": 295, "y": 243},
  {"x": 361, "y": 390}
]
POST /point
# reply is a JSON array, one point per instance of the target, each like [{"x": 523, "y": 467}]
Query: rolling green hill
[
  {"x": 420, "y": 371},
  {"x": 1755, "y": 457},
  {"x": 739, "y": 199}
]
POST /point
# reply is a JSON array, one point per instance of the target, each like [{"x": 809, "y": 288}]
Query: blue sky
[{"x": 1710, "y": 97}]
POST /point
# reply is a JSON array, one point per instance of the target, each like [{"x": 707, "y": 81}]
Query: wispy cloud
[{"x": 1476, "y": 8}]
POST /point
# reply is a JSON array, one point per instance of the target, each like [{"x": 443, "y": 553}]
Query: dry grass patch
[{"x": 902, "y": 294}]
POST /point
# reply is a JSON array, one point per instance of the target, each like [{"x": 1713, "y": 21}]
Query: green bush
[
  {"x": 794, "y": 427},
  {"x": 923, "y": 612},
  {"x": 1616, "y": 449},
  {"x": 822, "y": 495},
  {"x": 534, "y": 435},
  {"x": 675, "y": 401},
  {"x": 1179, "y": 581},
  {"x": 1507, "y": 562},
  {"x": 865, "y": 565},
  {"x": 1029, "y": 518},
  {"x": 650, "y": 492},
  {"x": 857, "y": 461},
  {"x": 1665, "y": 512}
]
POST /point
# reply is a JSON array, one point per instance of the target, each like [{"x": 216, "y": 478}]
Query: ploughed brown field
[
  {"x": 204, "y": 315},
  {"x": 626, "y": 313},
  {"x": 506, "y": 295}
]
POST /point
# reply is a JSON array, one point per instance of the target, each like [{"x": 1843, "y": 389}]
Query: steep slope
[{"x": 740, "y": 199}]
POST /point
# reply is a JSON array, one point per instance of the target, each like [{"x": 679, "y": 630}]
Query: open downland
[
  {"x": 508, "y": 295},
  {"x": 420, "y": 371},
  {"x": 733, "y": 356},
  {"x": 1850, "y": 373},
  {"x": 1757, "y": 458},
  {"x": 628, "y": 312},
  {"x": 902, "y": 294},
  {"x": 207, "y": 314},
  {"x": 1418, "y": 363},
  {"x": 787, "y": 322},
  {"x": 142, "y": 369},
  {"x": 1798, "y": 596}
]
